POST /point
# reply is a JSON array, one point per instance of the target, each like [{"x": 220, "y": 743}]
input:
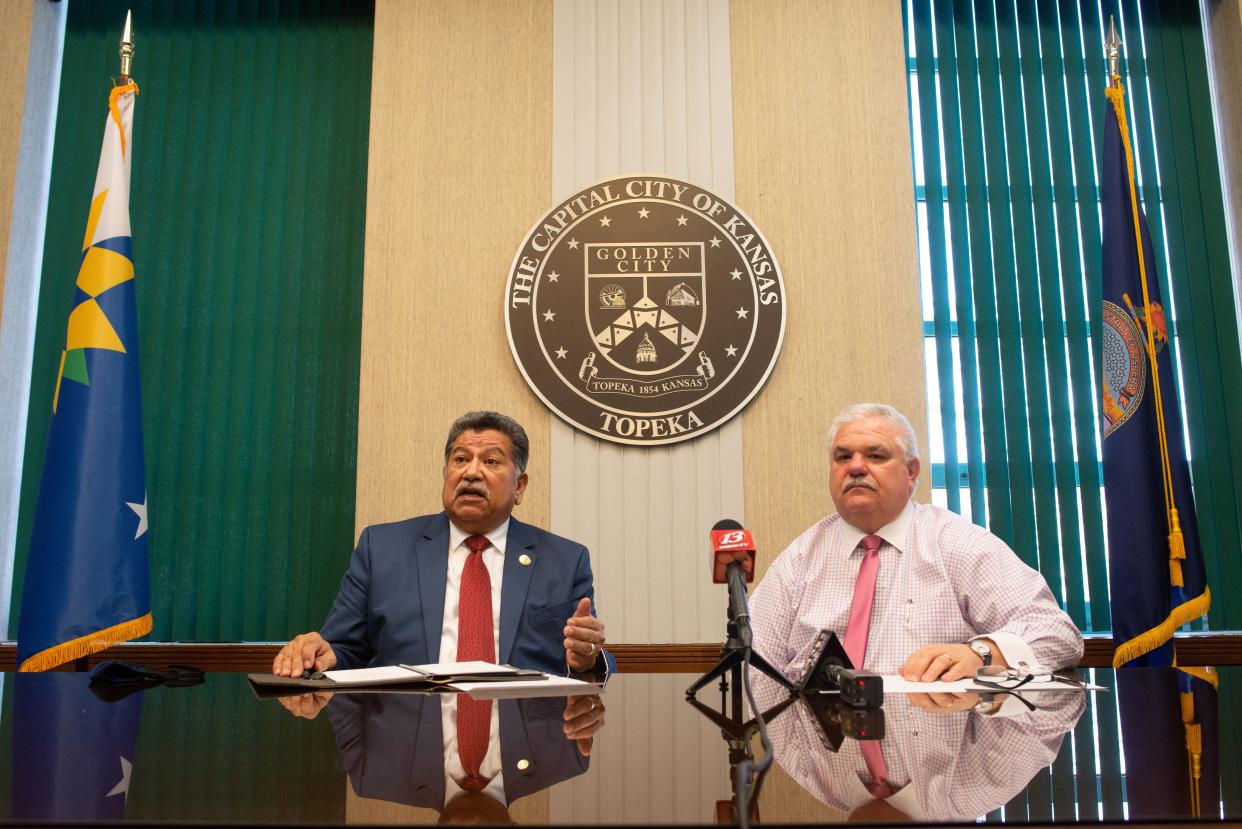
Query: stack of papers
[{"x": 479, "y": 679}]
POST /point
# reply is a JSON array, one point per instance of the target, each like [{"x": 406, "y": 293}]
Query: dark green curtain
[
  {"x": 1007, "y": 100},
  {"x": 248, "y": 211}
]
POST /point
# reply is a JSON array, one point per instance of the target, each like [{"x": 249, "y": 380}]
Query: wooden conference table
[{"x": 1158, "y": 745}]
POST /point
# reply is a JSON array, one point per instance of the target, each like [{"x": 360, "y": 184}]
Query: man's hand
[
  {"x": 584, "y": 638},
  {"x": 583, "y": 717},
  {"x": 307, "y": 706},
  {"x": 940, "y": 703},
  {"x": 941, "y": 662},
  {"x": 306, "y": 651}
]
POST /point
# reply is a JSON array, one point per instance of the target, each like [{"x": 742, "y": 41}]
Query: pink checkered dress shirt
[
  {"x": 944, "y": 766},
  {"x": 942, "y": 579}
]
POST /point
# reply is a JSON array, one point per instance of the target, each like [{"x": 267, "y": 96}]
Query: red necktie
[
  {"x": 860, "y": 608},
  {"x": 474, "y": 643}
]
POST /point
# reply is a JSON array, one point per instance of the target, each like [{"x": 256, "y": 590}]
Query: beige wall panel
[
  {"x": 821, "y": 142},
  {"x": 671, "y": 760},
  {"x": 459, "y": 166},
  {"x": 1224, "y": 31},
  {"x": 15, "y": 46},
  {"x": 642, "y": 86}
]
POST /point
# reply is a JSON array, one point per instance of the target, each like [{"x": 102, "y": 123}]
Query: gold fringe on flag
[{"x": 85, "y": 645}]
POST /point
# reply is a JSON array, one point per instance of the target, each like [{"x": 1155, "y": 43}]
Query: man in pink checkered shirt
[{"x": 949, "y": 596}]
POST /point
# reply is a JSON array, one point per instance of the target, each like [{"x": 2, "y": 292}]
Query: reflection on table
[
  {"x": 1159, "y": 744},
  {"x": 950, "y": 766},
  {"x": 401, "y": 748}
]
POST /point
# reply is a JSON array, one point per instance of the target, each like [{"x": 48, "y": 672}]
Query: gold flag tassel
[
  {"x": 1194, "y": 749},
  {"x": 1177, "y": 550}
]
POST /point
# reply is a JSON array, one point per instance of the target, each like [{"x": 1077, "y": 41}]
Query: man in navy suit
[
  {"x": 398, "y": 747},
  {"x": 399, "y": 600}
]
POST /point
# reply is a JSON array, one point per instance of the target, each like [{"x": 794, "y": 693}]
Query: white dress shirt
[{"x": 494, "y": 561}]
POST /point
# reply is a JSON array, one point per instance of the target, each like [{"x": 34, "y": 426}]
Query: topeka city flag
[
  {"x": 1155, "y": 568},
  {"x": 86, "y": 576}
]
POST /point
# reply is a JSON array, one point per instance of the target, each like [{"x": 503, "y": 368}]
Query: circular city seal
[{"x": 645, "y": 310}]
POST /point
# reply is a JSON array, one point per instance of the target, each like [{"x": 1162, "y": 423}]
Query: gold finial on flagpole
[
  {"x": 127, "y": 46},
  {"x": 1113, "y": 45}
]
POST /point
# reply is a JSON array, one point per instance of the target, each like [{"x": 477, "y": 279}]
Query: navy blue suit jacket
[
  {"x": 390, "y": 608},
  {"x": 392, "y": 746}
]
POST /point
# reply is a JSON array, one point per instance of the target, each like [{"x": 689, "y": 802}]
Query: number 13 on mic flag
[{"x": 86, "y": 584}]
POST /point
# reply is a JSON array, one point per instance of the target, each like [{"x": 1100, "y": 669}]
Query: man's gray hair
[
  {"x": 481, "y": 421},
  {"x": 906, "y": 440}
]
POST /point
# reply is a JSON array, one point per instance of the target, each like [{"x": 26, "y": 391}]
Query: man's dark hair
[{"x": 480, "y": 421}]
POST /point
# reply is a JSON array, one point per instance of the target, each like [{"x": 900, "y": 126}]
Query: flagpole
[{"x": 127, "y": 48}]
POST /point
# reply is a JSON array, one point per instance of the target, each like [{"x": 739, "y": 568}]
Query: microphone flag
[
  {"x": 86, "y": 583},
  {"x": 1156, "y": 575}
]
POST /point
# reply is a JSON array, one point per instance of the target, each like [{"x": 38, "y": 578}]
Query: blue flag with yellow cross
[{"x": 86, "y": 583}]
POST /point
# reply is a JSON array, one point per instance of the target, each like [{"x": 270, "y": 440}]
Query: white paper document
[
  {"x": 551, "y": 686},
  {"x": 897, "y": 685},
  {"x": 417, "y": 673},
  {"x": 369, "y": 676}
]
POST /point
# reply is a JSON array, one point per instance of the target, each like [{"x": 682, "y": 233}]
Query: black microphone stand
[
  {"x": 732, "y": 654},
  {"x": 738, "y": 735}
]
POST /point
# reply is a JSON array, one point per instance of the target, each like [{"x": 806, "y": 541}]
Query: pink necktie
[
  {"x": 856, "y": 648},
  {"x": 474, "y": 642},
  {"x": 877, "y": 768},
  {"x": 860, "y": 608}
]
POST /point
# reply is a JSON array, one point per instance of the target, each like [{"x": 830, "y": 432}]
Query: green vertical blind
[
  {"x": 248, "y": 211},
  {"x": 1006, "y": 103}
]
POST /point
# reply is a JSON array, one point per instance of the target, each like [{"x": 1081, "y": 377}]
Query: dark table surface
[{"x": 1158, "y": 744}]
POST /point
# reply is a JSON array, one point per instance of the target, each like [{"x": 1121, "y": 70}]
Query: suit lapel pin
[{"x": 524, "y": 560}]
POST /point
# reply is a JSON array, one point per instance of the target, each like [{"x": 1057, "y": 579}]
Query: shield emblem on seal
[{"x": 645, "y": 303}]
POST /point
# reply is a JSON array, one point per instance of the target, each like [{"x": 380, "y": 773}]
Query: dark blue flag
[
  {"x": 1155, "y": 568},
  {"x": 1170, "y": 738},
  {"x": 86, "y": 584},
  {"x": 73, "y": 753}
]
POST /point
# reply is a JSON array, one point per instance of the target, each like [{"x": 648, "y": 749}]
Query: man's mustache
[
  {"x": 863, "y": 482},
  {"x": 470, "y": 489}
]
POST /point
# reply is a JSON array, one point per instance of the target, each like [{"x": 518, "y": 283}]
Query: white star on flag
[{"x": 141, "y": 511}]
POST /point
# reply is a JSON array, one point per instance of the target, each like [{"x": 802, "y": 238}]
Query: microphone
[
  {"x": 828, "y": 667},
  {"x": 733, "y": 561}
]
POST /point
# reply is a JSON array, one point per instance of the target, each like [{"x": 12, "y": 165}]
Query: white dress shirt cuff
[{"x": 1017, "y": 653}]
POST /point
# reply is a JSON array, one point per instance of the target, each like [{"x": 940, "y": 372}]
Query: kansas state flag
[
  {"x": 86, "y": 576},
  {"x": 1155, "y": 568}
]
